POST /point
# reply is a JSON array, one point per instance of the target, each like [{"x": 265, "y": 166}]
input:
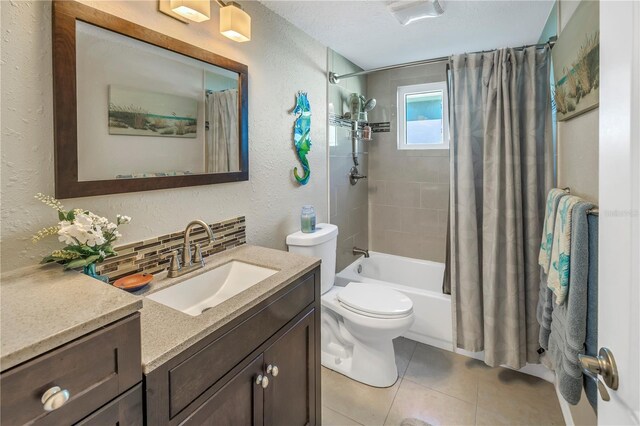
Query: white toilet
[{"x": 359, "y": 321}]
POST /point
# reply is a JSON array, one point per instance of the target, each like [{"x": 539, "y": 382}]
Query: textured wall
[
  {"x": 348, "y": 202},
  {"x": 408, "y": 189},
  {"x": 281, "y": 60},
  {"x": 577, "y": 138}
]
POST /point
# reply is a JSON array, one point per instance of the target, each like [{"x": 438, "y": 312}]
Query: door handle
[{"x": 603, "y": 365}]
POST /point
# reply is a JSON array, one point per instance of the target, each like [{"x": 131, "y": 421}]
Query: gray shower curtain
[
  {"x": 222, "y": 143},
  {"x": 502, "y": 168}
]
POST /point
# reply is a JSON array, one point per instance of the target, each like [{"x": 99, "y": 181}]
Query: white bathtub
[{"x": 420, "y": 280}]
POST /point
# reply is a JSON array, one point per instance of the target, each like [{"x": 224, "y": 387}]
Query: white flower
[
  {"x": 83, "y": 230},
  {"x": 95, "y": 238},
  {"x": 83, "y": 220},
  {"x": 98, "y": 221},
  {"x": 123, "y": 220}
]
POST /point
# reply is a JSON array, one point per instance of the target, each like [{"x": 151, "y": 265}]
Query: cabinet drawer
[
  {"x": 126, "y": 410},
  {"x": 196, "y": 374},
  {"x": 94, "y": 369}
]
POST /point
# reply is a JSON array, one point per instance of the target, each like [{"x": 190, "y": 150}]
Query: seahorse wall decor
[{"x": 302, "y": 135}]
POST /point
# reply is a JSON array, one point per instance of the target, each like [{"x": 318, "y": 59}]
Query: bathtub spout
[{"x": 357, "y": 251}]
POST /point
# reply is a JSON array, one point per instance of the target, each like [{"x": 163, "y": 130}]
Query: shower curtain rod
[{"x": 335, "y": 78}]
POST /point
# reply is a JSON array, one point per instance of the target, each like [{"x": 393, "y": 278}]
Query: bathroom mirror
[{"x": 135, "y": 110}]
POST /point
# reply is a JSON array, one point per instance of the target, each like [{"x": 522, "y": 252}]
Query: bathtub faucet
[{"x": 357, "y": 251}]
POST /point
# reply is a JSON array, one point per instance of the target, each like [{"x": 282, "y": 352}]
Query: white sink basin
[{"x": 204, "y": 291}]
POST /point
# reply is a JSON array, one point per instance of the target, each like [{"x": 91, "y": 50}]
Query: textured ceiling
[{"x": 368, "y": 35}]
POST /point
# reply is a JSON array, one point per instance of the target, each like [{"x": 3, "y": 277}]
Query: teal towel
[
  {"x": 553, "y": 198},
  {"x": 559, "y": 272}
]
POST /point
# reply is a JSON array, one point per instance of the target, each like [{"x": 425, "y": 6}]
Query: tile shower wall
[
  {"x": 408, "y": 189},
  {"x": 348, "y": 204}
]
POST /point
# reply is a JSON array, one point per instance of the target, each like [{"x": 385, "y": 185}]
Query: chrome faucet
[
  {"x": 357, "y": 251},
  {"x": 188, "y": 262}
]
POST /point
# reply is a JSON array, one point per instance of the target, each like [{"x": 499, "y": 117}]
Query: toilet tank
[{"x": 321, "y": 243}]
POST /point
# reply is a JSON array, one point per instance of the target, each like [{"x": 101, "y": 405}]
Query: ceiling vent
[{"x": 407, "y": 12}]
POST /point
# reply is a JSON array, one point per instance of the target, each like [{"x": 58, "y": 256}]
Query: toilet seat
[{"x": 373, "y": 300}]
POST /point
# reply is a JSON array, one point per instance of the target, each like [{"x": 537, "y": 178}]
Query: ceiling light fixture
[
  {"x": 193, "y": 10},
  {"x": 407, "y": 12},
  {"x": 235, "y": 23}
]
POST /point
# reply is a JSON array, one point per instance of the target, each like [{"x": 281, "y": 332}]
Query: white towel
[
  {"x": 544, "y": 259},
  {"x": 558, "y": 278}
]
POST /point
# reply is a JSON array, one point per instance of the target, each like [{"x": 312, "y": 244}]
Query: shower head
[{"x": 369, "y": 105}]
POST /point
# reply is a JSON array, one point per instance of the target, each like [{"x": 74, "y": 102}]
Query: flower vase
[{"x": 90, "y": 270}]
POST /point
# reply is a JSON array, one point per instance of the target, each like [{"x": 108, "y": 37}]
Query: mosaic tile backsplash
[{"x": 148, "y": 256}]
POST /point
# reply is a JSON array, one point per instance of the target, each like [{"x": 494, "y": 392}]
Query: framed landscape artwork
[
  {"x": 576, "y": 63},
  {"x": 137, "y": 112}
]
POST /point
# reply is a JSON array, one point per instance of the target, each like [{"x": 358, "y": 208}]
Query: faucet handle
[
  {"x": 174, "y": 265},
  {"x": 197, "y": 254}
]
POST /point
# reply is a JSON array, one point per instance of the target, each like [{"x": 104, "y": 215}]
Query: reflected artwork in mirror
[{"x": 136, "y": 110}]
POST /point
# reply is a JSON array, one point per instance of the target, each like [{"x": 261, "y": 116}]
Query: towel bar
[{"x": 594, "y": 211}]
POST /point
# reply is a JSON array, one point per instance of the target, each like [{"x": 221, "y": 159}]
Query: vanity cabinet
[
  {"x": 290, "y": 367},
  {"x": 261, "y": 369},
  {"x": 83, "y": 379}
]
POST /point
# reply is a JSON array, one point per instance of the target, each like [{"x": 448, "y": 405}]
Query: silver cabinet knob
[
  {"x": 273, "y": 370},
  {"x": 262, "y": 381},
  {"x": 54, "y": 398}
]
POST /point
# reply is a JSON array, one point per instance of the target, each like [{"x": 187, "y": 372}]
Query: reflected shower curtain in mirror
[
  {"x": 502, "y": 167},
  {"x": 222, "y": 143}
]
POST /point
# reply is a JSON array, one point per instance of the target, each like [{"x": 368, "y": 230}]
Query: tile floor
[{"x": 440, "y": 388}]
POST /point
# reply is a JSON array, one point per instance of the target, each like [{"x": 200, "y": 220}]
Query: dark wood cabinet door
[
  {"x": 239, "y": 402},
  {"x": 94, "y": 369},
  {"x": 291, "y": 395},
  {"x": 126, "y": 410}
]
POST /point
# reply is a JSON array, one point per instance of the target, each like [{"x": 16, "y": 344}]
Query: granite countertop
[
  {"x": 43, "y": 307},
  {"x": 166, "y": 332}
]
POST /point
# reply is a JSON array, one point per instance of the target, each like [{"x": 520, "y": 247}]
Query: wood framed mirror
[{"x": 136, "y": 110}]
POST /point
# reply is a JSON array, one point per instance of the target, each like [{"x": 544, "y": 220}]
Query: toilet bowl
[
  {"x": 357, "y": 341},
  {"x": 359, "y": 321}
]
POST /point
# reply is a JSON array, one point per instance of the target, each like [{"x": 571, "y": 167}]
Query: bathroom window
[{"x": 423, "y": 116}]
